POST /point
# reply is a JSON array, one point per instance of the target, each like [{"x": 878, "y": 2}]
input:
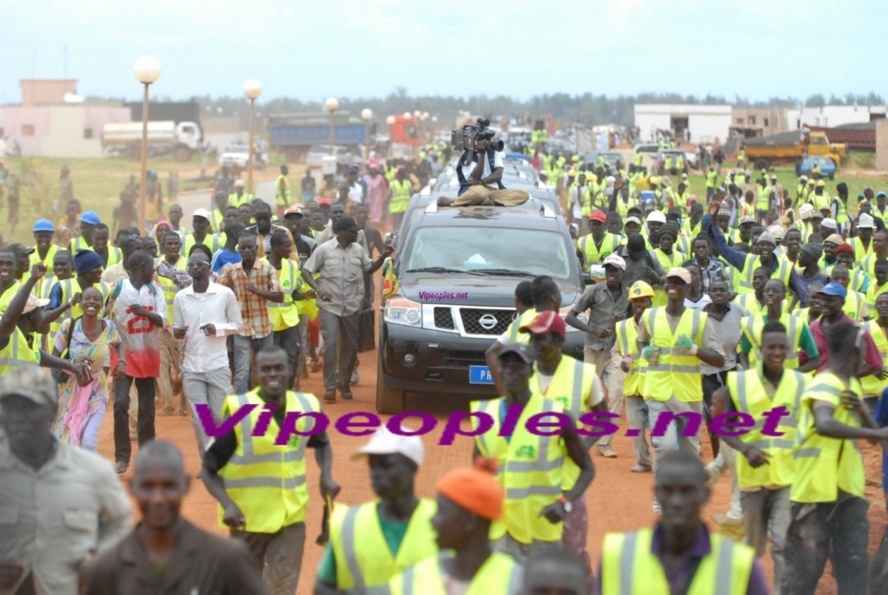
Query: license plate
[{"x": 480, "y": 375}]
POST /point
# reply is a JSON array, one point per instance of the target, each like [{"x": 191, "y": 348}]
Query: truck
[
  {"x": 295, "y": 134},
  {"x": 859, "y": 137},
  {"x": 164, "y": 138},
  {"x": 788, "y": 147}
]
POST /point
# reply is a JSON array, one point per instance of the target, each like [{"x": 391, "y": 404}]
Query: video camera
[{"x": 467, "y": 137}]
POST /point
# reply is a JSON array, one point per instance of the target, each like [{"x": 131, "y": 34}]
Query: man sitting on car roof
[{"x": 480, "y": 181}]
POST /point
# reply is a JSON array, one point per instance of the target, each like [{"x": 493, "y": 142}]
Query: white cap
[
  {"x": 656, "y": 217},
  {"x": 831, "y": 223},
  {"x": 240, "y": 184},
  {"x": 865, "y": 221},
  {"x": 35, "y": 302},
  {"x": 805, "y": 211},
  {"x": 635, "y": 220},
  {"x": 684, "y": 176},
  {"x": 615, "y": 260},
  {"x": 203, "y": 213},
  {"x": 777, "y": 232},
  {"x": 385, "y": 442}
]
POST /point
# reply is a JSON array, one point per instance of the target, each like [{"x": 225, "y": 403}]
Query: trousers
[
  {"x": 340, "y": 335},
  {"x": 766, "y": 515},
  {"x": 638, "y": 418},
  {"x": 245, "y": 348},
  {"x": 206, "y": 388},
  {"x": 278, "y": 556},
  {"x": 146, "y": 389},
  {"x": 613, "y": 378},
  {"x": 673, "y": 438}
]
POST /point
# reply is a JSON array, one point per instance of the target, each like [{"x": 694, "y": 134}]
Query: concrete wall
[
  {"x": 831, "y": 115},
  {"x": 882, "y": 145},
  {"x": 60, "y": 130},
  {"x": 706, "y": 122},
  {"x": 46, "y": 91}
]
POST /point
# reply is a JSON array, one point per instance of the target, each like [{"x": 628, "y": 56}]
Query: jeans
[
  {"x": 90, "y": 437},
  {"x": 146, "y": 389},
  {"x": 766, "y": 515},
  {"x": 613, "y": 379},
  {"x": 290, "y": 341},
  {"x": 522, "y": 552},
  {"x": 245, "y": 348},
  {"x": 340, "y": 334},
  {"x": 576, "y": 532},
  {"x": 673, "y": 438},
  {"x": 816, "y": 530},
  {"x": 278, "y": 556},
  {"x": 206, "y": 388},
  {"x": 638, "y": 418},
  {"x": 711, "y": 383},
  {"x": 169, "y": 367}
]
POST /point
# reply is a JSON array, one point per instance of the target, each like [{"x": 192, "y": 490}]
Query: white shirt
[
  {"x": 217, "y": 306},
  {"x": 356, "y": 193},
  {"x": 138, "y": 335},
  {"x": 497, "y": 162}
]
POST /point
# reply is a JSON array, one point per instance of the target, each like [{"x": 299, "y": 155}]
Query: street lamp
[
  {"x": 332, "y": 104},
  {"x": 366, "y": 115},
  {"x": 407, "y": 115},
  {"x": 425, "y": 129},
  {"x": 390, "y": 120},
  {"x": 146, "y": 69},
  {"x": 252, "y": 90}
]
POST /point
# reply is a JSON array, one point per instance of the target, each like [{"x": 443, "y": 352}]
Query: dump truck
[
  {"x": 295, "y": 134},
  {"x": 164, "y": 138},
  {"x": 788, "y": 147}
]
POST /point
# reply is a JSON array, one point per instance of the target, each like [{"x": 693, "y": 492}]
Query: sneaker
[
  {"x": 164, "y": 412},
  {"x": 346, "y": 395},
  {"x": 330, "y": 396},
  {"x": 641, "y": 469},
  {"x": 607, "y": 452},
  {"x": 121, "y": 467},
  {"x": 354, "y": 378},
  {"x": 657, "y": 509},
  {"x": 713, "y": 473}
]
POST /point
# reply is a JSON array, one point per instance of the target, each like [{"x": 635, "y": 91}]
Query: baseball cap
[
  {"x": 834, "y": 289},
  {"x": 294, "y": 210},
  {"x": 46, "y": 225},
  {"x": 765, "y": 237},
  {"x": 474, "y": 489},
  {"x": 325, "y": 201},
  {"x": 634, "y": 220},
  {"x": 640, "y": 289},
  {"x": 521, "y": 350},
  {"x": 816, "y": 214},
  {"x": 880, "y": 193},
  {"x": 545, "y": 322},
  {"x": 777, "y": 232},
  {"x": 656, "y": 217},
  {"x": 345, "y": 224},
  {"x": 803, "y": 178},
  {"x": 865, "y": 221},
  {"x": 352, "y": 169},
  {"x": 636, "y": 246},
  {"x": 746, "y": 219},
  {"x": 19, "y": 248},
  {"x": 203, "y": 213},
  {"x": 598, "y": 216},
  {"x": 680, "y": 273},
  {"x": 239, "y": 184},
  {"x": 723, "y": 212},
  {"x": 831, "y": 223},
  {"x": 615, "y": 260},
  {"x": 386, "y": 442},
  {"x": 34, "y": 302},
  {"x": 834, "y": 239},
  {"x": 31, "y": 382},
  {"x": 805, "y": 211},
  {"x": 90, "y": 218}
]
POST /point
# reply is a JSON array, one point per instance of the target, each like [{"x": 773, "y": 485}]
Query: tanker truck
[{"x": 164, "y": 138}]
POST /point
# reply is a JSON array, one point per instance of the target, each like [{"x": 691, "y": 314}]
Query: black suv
[{"x": 457, "y": 270}]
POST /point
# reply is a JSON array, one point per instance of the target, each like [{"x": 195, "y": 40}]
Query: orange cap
[{"x": 474, "y": 489}]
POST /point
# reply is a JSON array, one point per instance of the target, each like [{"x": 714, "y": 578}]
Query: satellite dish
[{"x": 72, "y": 98}]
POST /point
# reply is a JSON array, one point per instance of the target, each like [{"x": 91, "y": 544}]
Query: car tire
[
  {"x": 832, "y": 176},
  {"x": 389, "y": 401},
  {"x": 762, "y": 163}
]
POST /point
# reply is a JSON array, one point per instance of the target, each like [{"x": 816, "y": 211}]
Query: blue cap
[
  {"x": 880, "y": 193},
  {"x": 90, "y": 218},
  {"x": 834, "y": 289},
  {"x": 44, "y": 225}
]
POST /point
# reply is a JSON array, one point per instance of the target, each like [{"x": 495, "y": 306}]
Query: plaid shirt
[{"x": 254, "y": 309}]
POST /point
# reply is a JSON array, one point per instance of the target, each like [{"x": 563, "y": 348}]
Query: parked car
[
  {"x": 610, "y": 158},
  {"x": 344, "y": 157},
  {"x": 436, "y": 345},
  {"x": 827, "y": 167},
  {"x": 237, "y": 155},
  {"x": 673, "y": 153}
]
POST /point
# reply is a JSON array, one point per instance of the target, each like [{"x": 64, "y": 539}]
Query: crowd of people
[{"x": 704, "y": 317}]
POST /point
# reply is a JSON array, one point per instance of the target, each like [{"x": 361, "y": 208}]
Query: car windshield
[{"x": 480, "y": 249}]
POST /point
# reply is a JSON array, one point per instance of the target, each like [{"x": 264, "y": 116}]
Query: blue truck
[{"x": 296, "y": 133}]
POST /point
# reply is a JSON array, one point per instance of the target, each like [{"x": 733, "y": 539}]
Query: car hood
[{"x": 490, "y": 291}]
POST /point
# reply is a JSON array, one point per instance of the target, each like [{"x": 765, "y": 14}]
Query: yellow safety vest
[
  {"x": 78, "y": 243},
  {"x": 871, "y": 385},
  {"x": 499, "y": 575},
  {"x": 531, "y": 470},
  {"x": 47, "y": 262},
  {"x": 244, "y": 199},
  {"x": 743, "y": 279},
  {"x": 215, "y": 242},
  {"x": 860, "y": 251},
  {"x": 76, "y": 311},
  {"x": 401, "y": 191},
  {"x": 627, "y": 345},
  {"x": 363, "y": 558},
  {"x": 267, "y": 481},
  {"x": 823, "y": 466},
  {"x": 8, "y": 295},
  {"x": 17, "y": 352},
  {"x": 667, "y": 262},
  {"x": 169, "y": 287},
  {"x": 513, "y": 335},
  {"x": 748, "y": 393},
  {"x": 764, "y": 198},
  {"x": 282, "y": 197},
  {"x": 854, "y": 305},
  {"x": 115, "y": 255},
  {"x": 752, "y": 328},
  {"x": 674, "y": 374},
  {"x": 868, "y": 264},
  {"x": 629, "y": 568},
  {"x": 873, "y": 293},
  {"x": 67, "y": 289},
  {"x": 286, "y": 314},
  {"x": 595, "y": 255},
  {"x": 623, "y": 206}
]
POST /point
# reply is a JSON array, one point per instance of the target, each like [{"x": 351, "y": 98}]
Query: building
[
  {"x": 53, "y": 122},
  {"x": 830, "y": 116},
  {"x": 758, "y": 121},
  {"x": 705, "y": 123}
]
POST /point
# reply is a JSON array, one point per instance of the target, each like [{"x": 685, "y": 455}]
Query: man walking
[
  {"x": 139, "y": 311},
  {"x": 254, "y": 283},
  {"x": 205, "y": 314},
  {"x": 245, "y": 470},
  {"x": 341, "y": 263}
]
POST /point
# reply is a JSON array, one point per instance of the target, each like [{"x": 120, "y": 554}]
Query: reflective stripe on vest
[
  {"x": 16, "y": 352},
  {"x": 743, "y": 282},
  {"x": 871, "y": 385},
  {"x": 750, "y": 397},
  {"x": 674, "y": 374},
  {"x": 752, "y": 327},
  {"x": 628, "y": 347},
  {"x": 169, "y": 287},
  {"x": 595, "y": 255},
  {"x": 282, "y": 198},
  {"x": 401, "y": 191},
  {"x": 499, "y": 575}
]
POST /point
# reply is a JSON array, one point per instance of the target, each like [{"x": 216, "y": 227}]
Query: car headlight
[
  {"x": 399, "y": 310},
  {"x": 584, "y": 318}
]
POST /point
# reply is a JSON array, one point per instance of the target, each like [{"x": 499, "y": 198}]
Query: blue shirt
[{"x": 224, "y": 257}]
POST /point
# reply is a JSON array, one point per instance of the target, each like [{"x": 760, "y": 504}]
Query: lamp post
[
  {"x": 147, "y": 70},
  {"x": 332, "y": 104},
  {"x": 252, "y": 90},
  {"x": 425, "y": 127},
  {"x": 366, "y": 115}
]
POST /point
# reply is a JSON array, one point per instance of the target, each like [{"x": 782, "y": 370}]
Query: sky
[{"x": 313, "y": 49}]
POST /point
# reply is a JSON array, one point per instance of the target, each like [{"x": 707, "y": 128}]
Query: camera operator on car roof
[{"x": 481, "y": 167}]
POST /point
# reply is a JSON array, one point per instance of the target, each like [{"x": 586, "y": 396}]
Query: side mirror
[
  {"x": 389, "y": 239},
  {"x": 574, "y": 231}
]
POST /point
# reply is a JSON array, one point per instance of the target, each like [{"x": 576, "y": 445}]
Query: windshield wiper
[
  {"x": 441, "y": 270},
  {"x": 509, "y": 272}
]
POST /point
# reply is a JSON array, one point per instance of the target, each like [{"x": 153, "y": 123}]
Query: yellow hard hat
[
  {"x": 571, "y": 172},
  {"x": 575, "y": 158},
  {"x": 654, "y": 180},
  {"x": 812, "y": 181},
  {"x": 821, "y": 183},
  {"x": 640, "y": 289}
]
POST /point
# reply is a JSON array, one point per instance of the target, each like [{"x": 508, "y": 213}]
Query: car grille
[
  {"x": 464, "y": 358},
  {"x": 443, "y": 318},
  {"x": 471, "y": 320}
]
